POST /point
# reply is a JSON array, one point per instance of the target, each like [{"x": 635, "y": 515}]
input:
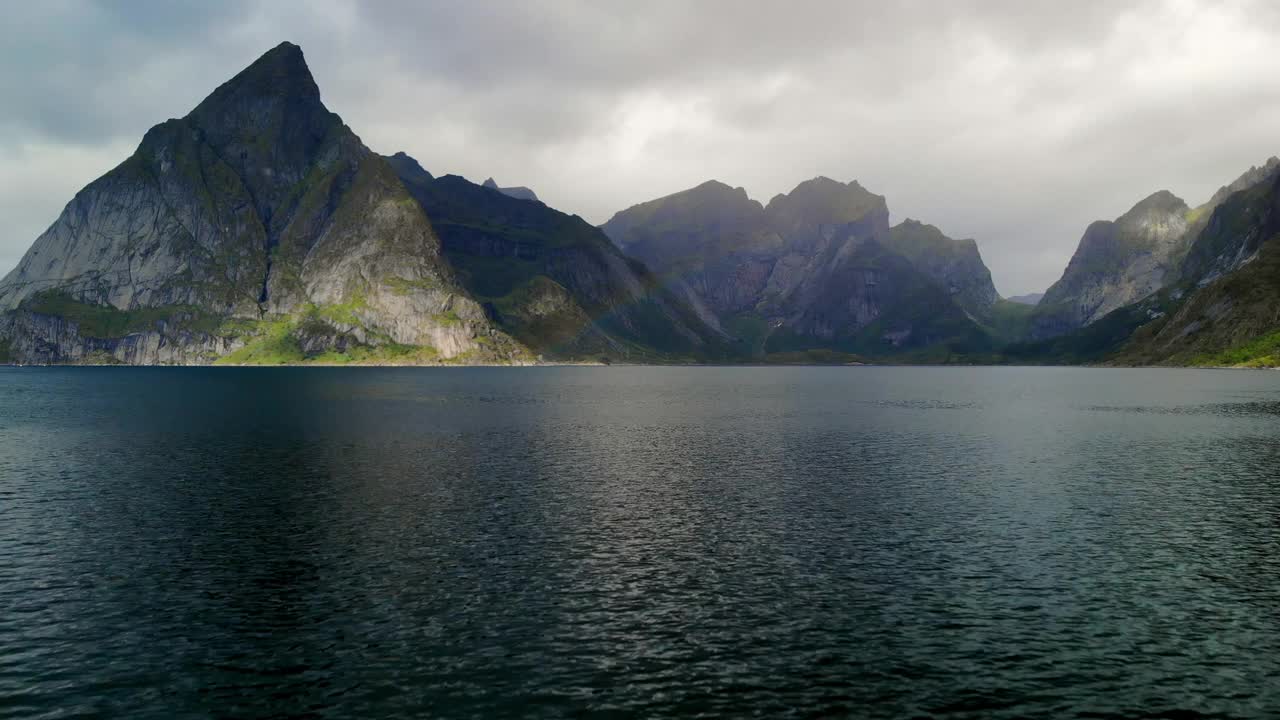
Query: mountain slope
[
  {"x": 816, "y": 268},
  {"x": 956, "y": 265},
  {"x": 552, "y": 280},
  {"x": 1220, "y": 308},
  {"x": 518, "y": 192},
  {"x": 711, "y": 243},
  {"x": 1228, "y": 297},
  {"x": 1116, "y": 263},
  {"x": 1123, "y": 261},
  {"x": 257, "y": 228}
]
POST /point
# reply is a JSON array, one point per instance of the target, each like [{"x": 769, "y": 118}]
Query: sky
[{"x": 1016, "y": 122}]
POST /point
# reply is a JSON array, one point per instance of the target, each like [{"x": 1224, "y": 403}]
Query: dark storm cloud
[{"x": 1015, "y": 123}]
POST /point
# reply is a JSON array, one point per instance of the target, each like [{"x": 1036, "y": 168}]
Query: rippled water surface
[{"x": 639, "y": 542}]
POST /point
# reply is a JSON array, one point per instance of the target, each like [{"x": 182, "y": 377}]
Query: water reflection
[{"x": 638, "y": 541}]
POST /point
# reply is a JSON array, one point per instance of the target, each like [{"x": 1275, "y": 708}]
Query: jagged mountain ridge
[
  {"x": 1225, "y": 307},
  {"x": 1219, "y": 306},
  {"x": 552, "y": 280},
  {"x": 816, "y": 267},
  {"x": 519, "y": 192},
  {"x": 955, "y": 264},
  {"x": 1122, "y": 261}
]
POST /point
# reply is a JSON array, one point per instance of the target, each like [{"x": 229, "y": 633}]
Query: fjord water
[{"x": 626, "y": 541}]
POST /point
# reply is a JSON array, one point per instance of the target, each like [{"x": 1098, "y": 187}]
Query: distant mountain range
[
  {"x": 259, "y": 229},
  {"x": 817, "y": 269}
]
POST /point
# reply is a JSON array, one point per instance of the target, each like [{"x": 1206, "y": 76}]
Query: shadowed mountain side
[
  {"x": 554, "y": 281},
  {"x": 811, "y": 270}
]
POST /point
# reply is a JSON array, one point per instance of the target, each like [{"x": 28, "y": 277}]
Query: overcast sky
[{"x": 1015, "y": 123}]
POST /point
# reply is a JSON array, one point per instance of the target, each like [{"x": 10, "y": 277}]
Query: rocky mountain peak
[
  {"x": 269, "y": 125},
  {"x": 1254, "y": 175},
  {"x": 956, "y": 265},
  {"x": 408, "y": 167},
  {"x": 827, "y": 201},
  {"x": 518, "y": 192},
  {"x": 1159, "y": 218},
  {"x": 1161, "y": 201},
  {"x": 280, "y": 75}
]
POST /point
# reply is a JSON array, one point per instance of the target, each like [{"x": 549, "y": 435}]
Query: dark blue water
[{"x": 639, "y": 542}]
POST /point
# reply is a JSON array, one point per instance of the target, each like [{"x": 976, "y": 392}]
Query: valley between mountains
[{"x": 260, "y": 230}]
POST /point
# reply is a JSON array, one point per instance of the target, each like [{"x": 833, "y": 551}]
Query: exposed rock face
[
  {"x": 1121, "y": 262},
  {"x": 815, "y": 267},
  {"x": 1229, "y": 285},
  {"x": 1239, "y": 224},
  {"x": 711, "y": 241},
  {"x": 552, "y": 280},
  {"x": 518, "y": 192},
  {"x": 956, "y": 265},
  {"x": 1217, "y": 303},
  {"x": 1117, "y": 263},
  {"x": 1249, "y": 178},
  {"x": 37, "y": 338},
  {"x": 260, "y": 206},
  {"x": 1028, "y": 299}
]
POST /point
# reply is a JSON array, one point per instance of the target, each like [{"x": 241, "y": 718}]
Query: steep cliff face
[
  {"x": 1219, "y": 306},
  {"x": 552, "y": 280},
  {"x": 1121, "y": 262},
  {"x": 816, "y": 267},
  {"x": 711, "y": 243},
  {"x": 1225, "y": 307},
  {"x": 1116, "y": 263},
  {"x": 956, "y": 265},
  {"x": 258, "y": 225},
  {"x": 1235, "y": 230}
]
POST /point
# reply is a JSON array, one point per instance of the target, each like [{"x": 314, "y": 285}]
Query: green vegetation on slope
[
  {"x": 107, "y": 322},
  {"x": 1008, "y": 321},
  {"x": 1264, "y": 352},
  {"x": 281, "y": 341},
  {"x": 1095, "y": 342},
  {"x": 272, "y": 343}
]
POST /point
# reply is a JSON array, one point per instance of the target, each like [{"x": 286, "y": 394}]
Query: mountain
[
  {"x": 956, "y": 265},
  {"x": 1218, "y": 306},
  {"x": 256, "y": 228},
  {"x": 1225, "y": 308},
  {"x": 711, "y": 242},
  {"x": 1122, "y": 261},
  {"x": 816, "y": 268},
  {"x": 259, "y": 229},
  {"x": 519, "y": 191},
  {"x": 1028, "y": 299},
  {"x": 551, "y": 280},
  {"x": 1116, "y": 263}
]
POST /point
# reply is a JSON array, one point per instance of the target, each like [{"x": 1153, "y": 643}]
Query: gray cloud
[{"x": 1016, "y": 123}]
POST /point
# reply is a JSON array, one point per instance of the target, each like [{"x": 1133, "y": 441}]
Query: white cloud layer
[{"x": 1016, "y": 123}]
